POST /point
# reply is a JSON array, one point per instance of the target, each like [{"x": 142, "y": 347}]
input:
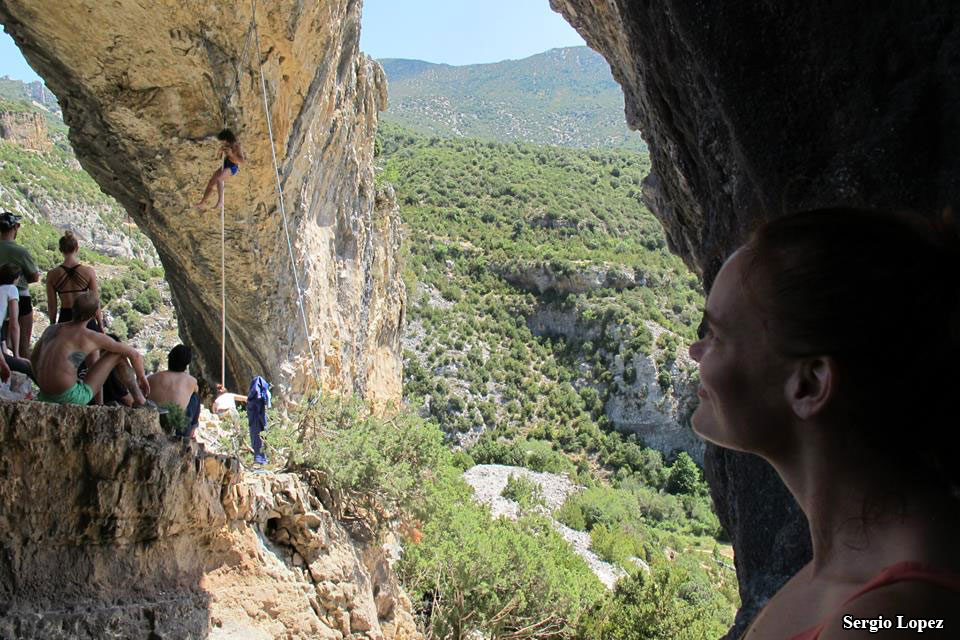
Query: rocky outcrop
[
  {"x": 42, "y": 96},
  {"x": 144, "y": 89},
  {"x": 488, "y": 482},
  {"x": 110, "y": 528},
  {"x": 752, "y": 109},
  {"x": 26, "y": 129},
  {"x": 572, "y": 278},
  {"x": 650, "y": 394}
]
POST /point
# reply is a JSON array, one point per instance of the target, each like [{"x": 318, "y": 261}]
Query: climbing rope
[
  {"x": 283, "y": 212},
  {"x": 241, "y": 62},
  {"x": 252, "y": 30},
  {"x": 223, "y": 293}
]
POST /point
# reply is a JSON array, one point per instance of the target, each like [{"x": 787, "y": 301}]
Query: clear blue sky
[
  {"x": 450, "y": 31},
  {"x": 462, "y": 32},
  {"x": 12, "y": 63}
]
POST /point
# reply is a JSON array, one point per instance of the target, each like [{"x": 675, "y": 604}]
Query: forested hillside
[
  {"x": 546, "y": 328},
  {"x": 562, "y": 97}
]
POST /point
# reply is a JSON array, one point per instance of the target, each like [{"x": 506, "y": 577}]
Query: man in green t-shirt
[{"x": 11, "y": 252}]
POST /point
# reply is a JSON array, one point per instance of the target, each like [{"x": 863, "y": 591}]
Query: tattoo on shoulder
[{"x": 76, "y": 358}]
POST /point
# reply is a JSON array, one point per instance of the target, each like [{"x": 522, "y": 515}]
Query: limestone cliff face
[
  {"x": 145, "y": 87},
  {"x": 25, "y": 129},
  {"x": 648, "y": 394},
  {"x": 112, "y": 529},
  {"x": 752, "y": 109}
]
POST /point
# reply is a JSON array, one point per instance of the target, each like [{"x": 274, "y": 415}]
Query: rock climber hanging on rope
[{"x": 232, "y": 157}]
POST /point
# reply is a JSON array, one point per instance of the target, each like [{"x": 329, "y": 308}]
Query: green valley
[{"x": 547, "y": 325}]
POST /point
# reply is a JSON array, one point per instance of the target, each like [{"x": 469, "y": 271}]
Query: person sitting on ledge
[
  {"x": 63, "y": 347},
  {"x": 176, "y": 386},
  {"x": 829, "y": 347}
]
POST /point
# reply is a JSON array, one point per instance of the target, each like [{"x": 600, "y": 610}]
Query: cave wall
[
  {"x": 145, "y": 87},
  {"x": 754, "y": 108}
]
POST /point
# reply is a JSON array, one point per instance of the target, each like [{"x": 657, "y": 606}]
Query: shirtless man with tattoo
[{"x": 63, "y": 347}]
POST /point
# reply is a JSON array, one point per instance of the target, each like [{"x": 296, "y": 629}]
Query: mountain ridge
[{"x": 563, "y": 97}]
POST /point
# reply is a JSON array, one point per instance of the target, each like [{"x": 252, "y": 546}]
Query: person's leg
[
  {"x": 128, "y": 378},
  {"x": 90, "y": 361},
  {"x": 216, "y": 182},
  {"x": 255, "y": 442},
  {"x": 223, "y": 176},
  {"x": 193, "y": 415},
  {"x": 97, "y": 374},
  {"x": 26, "y": 330},
  {"x": 20, "y": 365}
]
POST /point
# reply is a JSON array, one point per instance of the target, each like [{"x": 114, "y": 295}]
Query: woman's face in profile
[{"x": 742, "y": 380}]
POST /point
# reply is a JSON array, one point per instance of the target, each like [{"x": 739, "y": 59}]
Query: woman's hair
[
  {"x": 68, "y": 243},
  {"x": 9, "y": 273},
  {"x": 879, "y": 292},
  {"x": 227, "y": 136}
]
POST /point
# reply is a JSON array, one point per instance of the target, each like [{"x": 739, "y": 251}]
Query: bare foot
[{"x": 198, "y": 206}]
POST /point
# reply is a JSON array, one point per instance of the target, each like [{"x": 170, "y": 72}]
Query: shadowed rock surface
[
  {"x": 751, "y": 109},
  {"x": 113, "y": 529},
  {"x": 145, "y": 87}
]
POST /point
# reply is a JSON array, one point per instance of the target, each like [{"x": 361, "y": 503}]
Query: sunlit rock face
[
  {"x": 752, "y": 109},
  {"x": 27, "y": 130},
  {"x": 145, "y": 87},
  {"x": 114, "y": 529}
]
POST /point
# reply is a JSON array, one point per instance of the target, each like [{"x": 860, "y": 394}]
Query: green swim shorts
[{"x": 80, "y": 393}]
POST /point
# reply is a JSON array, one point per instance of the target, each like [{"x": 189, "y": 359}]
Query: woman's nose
[{"x": 696, "y": 350}]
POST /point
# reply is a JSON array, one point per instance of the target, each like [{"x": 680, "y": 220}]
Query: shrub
[
  {"x": 656, "y": 606},
  {"x": 491, "y": 451},
  {"x": 371, "y": 465},
  {"x": 597, "y": 505},
  {"x": 615, "y": 543},
  {"x": 174, "y": 421},
  {"x": 119, "y": 327},
  {"x": 524, "y": 491},
  {"x": 462, "y": 460},
  {"x": 499, "y": 578},
  {"x": 684, "y": 475}
]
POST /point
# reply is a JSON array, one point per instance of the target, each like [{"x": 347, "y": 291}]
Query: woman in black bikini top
[{"x": 67, "y": 280}]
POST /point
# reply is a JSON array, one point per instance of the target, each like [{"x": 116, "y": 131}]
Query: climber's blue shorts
[{"x": 232, "y": 166}]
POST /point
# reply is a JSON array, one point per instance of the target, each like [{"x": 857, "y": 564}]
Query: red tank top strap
[
  {"x": 895, "y": 573},
  {"x": 910, "y": 571}
]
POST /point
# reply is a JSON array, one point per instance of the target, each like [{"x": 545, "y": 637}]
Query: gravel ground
[{"x": 488, "y": 480}]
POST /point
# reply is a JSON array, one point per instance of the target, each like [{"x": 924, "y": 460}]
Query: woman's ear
[{"x": 811, "y": 386}]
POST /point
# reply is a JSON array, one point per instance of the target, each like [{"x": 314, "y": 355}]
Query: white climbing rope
[
  {"x": 283, "y": 211},
  {"x": 223, "y": 292}
]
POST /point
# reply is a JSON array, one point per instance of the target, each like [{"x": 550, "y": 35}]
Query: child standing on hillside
[{"x": 232, "y": 157}]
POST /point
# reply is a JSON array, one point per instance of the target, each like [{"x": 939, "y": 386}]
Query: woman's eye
[{"x": 703, "y": 330}]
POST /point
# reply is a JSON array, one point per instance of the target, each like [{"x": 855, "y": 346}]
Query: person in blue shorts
[{"x": 232, "y": 157}]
